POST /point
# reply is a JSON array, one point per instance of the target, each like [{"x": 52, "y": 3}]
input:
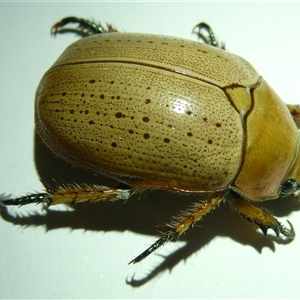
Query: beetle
[{"x": 159, "y": 112}]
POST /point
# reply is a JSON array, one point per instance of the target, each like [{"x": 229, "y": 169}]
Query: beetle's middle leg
[
  {"x": 259, "y": 216},
  {"x": 182, "y": 222}
]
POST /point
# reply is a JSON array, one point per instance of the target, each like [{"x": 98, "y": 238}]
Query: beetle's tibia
[
  {"x": 77, "y": 193},
  {"x": 182, "y": 222},
  {"x": 260, "y": 216},
  {"x": 85, "y": 27},
  {"x": 28, "y": 199}
]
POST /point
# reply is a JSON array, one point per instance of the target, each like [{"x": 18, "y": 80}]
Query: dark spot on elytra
[
  {"x": 189, "y": 112},
  {"x": 92, "y": 95},
  {"x": 205, "y": 119},
  {"x": 101, "y": 96},
  {"x": 218, "y": 125},
  {"x": 64, "y": 94},
  {"x": 112, "y": 82},
  {"x": 82, "y": 95},
  {"x": 189, "y": 134},
  {"x": 210, "y": 141},
  {"x": 71, "y": 111},
  {"x": 86, "y": 112},
  {"x": 146, "y": 119},
  {"x": 119, "y": 115},
  {"x": 147, "y": 101},
  {"x": 92, "y": 81},
  {"x": 146, "y": 136},
  {"x": 166, "y": 140},
  {"x": 91, "y": 122},
  {"x": 130, "y": 131},
  {"x": 148, "y": 88},
  {"x": 114, "y": 145}
]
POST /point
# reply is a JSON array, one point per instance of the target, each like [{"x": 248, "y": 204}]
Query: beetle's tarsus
[
  {"x": 85, "y": 27},
  {"x": 288, "y": 233},
  {"x": 170, "y": 236},
  {"x": 37, "y": 198},
  {"x": 208, "y": 37}
]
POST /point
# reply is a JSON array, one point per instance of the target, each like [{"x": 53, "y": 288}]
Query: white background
[{"x": 83, "y": 252}]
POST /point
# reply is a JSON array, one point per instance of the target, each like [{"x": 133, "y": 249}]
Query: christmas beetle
[{"x": 159, "y": 112}]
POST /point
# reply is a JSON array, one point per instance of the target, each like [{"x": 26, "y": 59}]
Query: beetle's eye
[{"x": 289, "y": 187}]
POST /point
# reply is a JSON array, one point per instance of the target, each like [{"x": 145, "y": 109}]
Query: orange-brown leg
[
  {"x": 182, "y": 222},
  {"x": 70, "y": 194},
  {"x": 260, "y": 216},
  {"x": 74, "y": 193}
]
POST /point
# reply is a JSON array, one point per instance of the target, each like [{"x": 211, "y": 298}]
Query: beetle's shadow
[{"x": 143, "y": 215}]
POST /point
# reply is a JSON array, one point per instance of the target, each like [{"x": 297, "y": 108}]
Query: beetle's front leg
[
  {"x": 182, "y": 222},
  {"x": 260, "y": 216},
  {"x": 85, "y": 27},
  {"x": 71, "y": 194}
]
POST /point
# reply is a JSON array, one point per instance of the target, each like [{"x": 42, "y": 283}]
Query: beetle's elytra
[{"x": 158, "y": 112}]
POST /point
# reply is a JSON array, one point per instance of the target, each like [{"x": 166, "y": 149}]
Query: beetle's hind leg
[
  {"x": 182, "y": 222},
  {"x": 85, "y": 27},
  {"x": 71, "y": 194},
  {"x": 259, "y": 216}
]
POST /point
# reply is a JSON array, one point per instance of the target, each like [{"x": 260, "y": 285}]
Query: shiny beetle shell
[
  {"x": 163, "y": 112},
  {"x": 158, "y": 112}
]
